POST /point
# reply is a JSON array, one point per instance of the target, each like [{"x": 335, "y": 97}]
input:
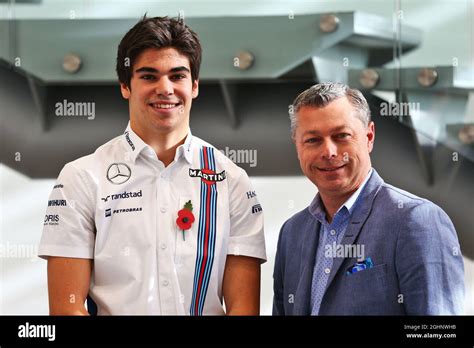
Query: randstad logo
[{"x": 123, "y": 195}]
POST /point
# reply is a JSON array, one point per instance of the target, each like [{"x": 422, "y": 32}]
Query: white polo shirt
[{"x": 119, "y": 205}]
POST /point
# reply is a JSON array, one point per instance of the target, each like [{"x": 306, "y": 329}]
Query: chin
[
  {"x": 332, "y": 186},
  {"x": 163, "y": 123}
]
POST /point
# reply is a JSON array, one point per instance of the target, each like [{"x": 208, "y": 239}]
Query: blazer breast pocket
[{"x": 366, "y": 290}]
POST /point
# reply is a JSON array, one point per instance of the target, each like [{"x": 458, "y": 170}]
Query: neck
[
  {"x": 333, "y": 203},
  {"x": 165, "y": 149},
  {"x": 164, "y": 144}
]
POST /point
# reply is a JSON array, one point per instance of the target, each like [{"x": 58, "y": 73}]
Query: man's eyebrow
[
  {"x": 156, "y": 71},
  {"x": 147, "y": 69},
  {"x": 333, "y": 130},
  {"x": 313, "y": 132},
  {"x": 179, "y": 68},
  {"x": 340, "y": 128}
]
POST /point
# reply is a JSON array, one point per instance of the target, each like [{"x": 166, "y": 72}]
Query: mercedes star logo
[{"x": 118, "y": 173}]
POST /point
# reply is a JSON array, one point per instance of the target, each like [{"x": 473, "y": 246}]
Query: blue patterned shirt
[{"x": 330, "y": 234}]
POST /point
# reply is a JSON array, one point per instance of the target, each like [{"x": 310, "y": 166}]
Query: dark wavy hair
[{"x": 157, "y": 32}]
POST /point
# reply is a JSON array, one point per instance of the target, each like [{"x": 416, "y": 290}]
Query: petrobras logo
[
  {"x": 110, "y": 212},
  {"x": 122, "y": 195},
  {"x": 207, "y": 176},
  {"x": 51, "y": 220}
]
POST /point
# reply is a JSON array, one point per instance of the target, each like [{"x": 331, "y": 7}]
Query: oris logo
[{"x": 51, "y": 219}]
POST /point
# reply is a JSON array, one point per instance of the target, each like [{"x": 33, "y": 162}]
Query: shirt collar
[
  {"x": 316, "y": 207},
  {"x": 186, "y": 148},
  {"x": 135, "y": 145},
  {"x": 350, "y": 203}
]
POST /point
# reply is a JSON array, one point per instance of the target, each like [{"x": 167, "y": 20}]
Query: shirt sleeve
[
  {"x": 246, "y": 219},
  {"x": 69, "y": 228}
]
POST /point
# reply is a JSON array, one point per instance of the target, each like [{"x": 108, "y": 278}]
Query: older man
[{"x": 362, "y": 247}]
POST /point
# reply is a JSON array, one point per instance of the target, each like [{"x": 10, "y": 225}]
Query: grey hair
[{"x": 322, "y": 94}]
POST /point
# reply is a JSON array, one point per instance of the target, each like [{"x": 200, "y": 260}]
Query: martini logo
[{"x": 207, "y": 176}]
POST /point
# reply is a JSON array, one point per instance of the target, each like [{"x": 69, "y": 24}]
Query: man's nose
[
  {"x": 329, "y": 150},
  {"x": 164, "y": 86}
]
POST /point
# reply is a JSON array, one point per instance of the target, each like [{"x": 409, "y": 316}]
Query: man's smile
[
  {"x": 162, "y": 105},
  {"x": 330, "y": 168}
]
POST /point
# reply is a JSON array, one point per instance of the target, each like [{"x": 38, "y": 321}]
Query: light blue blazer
[{"x": 418, "y": 267}]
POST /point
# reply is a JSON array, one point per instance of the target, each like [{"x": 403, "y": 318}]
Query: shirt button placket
[
  {"x": 333, "y": 241},
  {"x": 166, "y": 290}
]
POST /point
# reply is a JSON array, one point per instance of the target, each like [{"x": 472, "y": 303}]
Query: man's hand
[
  {"x": 68, "y": 285},
  {"x": 241, "y": 285}
]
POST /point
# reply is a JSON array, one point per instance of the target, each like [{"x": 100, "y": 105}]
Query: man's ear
[
  {"x": 370, "y": 136},
  {"x": 195, "y": 92},
  {"x": 124, "y": 90}
]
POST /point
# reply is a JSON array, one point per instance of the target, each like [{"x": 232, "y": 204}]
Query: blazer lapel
[
  {"x": 358, "y": 218},
  {"x": 308, "y": 257}
]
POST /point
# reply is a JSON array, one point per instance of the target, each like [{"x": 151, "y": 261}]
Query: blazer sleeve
[
  {"x": 278, "y": 275},
  {"x": 429, "y": 263}
]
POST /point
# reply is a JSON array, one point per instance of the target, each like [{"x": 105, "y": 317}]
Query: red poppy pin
[{"x": 185, "y": 218}]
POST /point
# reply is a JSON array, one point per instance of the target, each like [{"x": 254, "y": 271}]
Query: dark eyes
[
  {"x": 147, "y": 77},
  {"x": 342, "y": 135},
  {"x": 311, "y": 141},
  {"x": 339, "y": 136},
  {"x": 178, "y": 77},
  {"x": 175, "y": 77}
]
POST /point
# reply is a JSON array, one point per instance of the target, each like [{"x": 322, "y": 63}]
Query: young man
[
  {"x": 362, "y": 247},
  {"x": 156, "y": 221}
]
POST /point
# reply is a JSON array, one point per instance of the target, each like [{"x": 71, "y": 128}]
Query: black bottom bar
[{"x": 161, "y": 330}]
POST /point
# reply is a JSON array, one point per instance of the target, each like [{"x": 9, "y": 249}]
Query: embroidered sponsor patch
[
  {"x": 251, "y": 194},
  {"x": 208, "y": 176},
  {"x": 256, "y": 208},
  {"x": 110, "y": 212},
  {"x": 118, "y": 173}
]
